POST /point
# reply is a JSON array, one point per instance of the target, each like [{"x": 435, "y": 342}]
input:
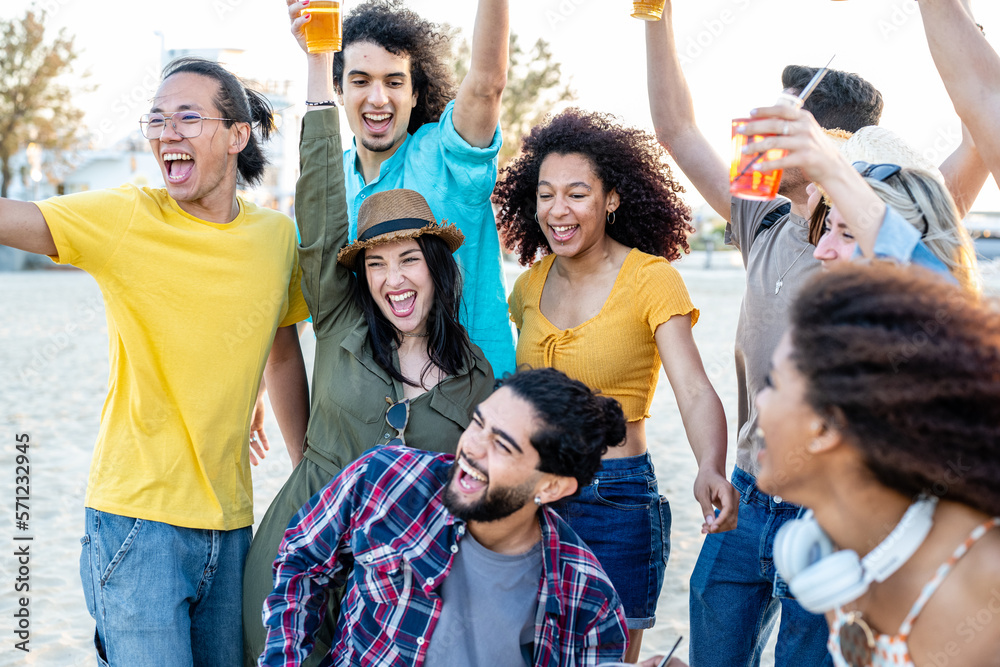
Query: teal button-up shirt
[{"x": 457, "y": 180}]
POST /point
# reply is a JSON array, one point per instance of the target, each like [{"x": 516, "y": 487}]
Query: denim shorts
[{"x": 626, "y": 523}]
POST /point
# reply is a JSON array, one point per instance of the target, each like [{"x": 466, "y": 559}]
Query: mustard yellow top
[{"x": 614, "y": 351}]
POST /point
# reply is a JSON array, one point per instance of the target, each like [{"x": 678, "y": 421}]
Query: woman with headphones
[{"x": 882, "y": 416}]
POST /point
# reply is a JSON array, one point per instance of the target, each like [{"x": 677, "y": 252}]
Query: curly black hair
[
  {"x": 578, "y": 424},
  {"x": 907, "y": 366},
  {"x": 651, "y": 217},
  {"x": 400, "y": 31}
]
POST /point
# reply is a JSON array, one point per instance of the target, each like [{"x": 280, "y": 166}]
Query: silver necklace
[{"x": 778, "y": 285}]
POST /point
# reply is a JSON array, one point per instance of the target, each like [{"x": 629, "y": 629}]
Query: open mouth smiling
[
  {"x": 562, "y": 233},
  {"x": 470, "y": 479},
  {"x": 402, "y": 303},
  {"x": 377, "y": 122},
  {"x": 178, "y": 166}
]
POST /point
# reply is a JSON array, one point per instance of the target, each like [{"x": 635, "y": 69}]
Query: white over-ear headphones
[{"x": 822, "y": 578}]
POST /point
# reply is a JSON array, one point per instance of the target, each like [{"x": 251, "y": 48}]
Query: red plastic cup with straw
[{"x": 746, "y": 181}]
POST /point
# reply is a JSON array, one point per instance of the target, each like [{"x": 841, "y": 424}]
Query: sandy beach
[{"x": 53, "y": 378}]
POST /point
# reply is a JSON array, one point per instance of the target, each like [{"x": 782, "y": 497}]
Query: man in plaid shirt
[{"x": 457, "y": 560}]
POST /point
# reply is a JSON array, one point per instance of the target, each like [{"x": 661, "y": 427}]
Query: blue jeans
[
  {"x": 163, "y": 595},
  {"x": 736, "y": 593},
  {"x": 626, "y": 523}
]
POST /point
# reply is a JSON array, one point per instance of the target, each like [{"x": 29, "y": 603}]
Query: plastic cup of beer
[
  {"x": 647, "y": 10},
  {"x": 325, "y": 31},
  {"x": 746, "y": 180}
]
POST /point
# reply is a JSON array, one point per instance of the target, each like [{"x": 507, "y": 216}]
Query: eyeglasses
[
  {"x": 187, "y": 124},
  {"x": 398, "y": 416},
  {"x": 885, "y": 171}
]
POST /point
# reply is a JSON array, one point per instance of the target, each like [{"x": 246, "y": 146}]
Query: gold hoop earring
[{"x": 610, "y": 218}]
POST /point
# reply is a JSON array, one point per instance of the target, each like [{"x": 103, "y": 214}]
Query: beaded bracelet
[{"x": 327, "y": 103}]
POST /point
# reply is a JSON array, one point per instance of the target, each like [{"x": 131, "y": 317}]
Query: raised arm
[
  {"x": 477, "y": 107},
  {"x": 964, "y": 173},
  {"x": 970, "y": 69},
  {"x": 672, "y": 109},
  {"x": 320, "y": 193},
  {"x": 22, "y": 226},
  {"x": 810, "y": 150}
]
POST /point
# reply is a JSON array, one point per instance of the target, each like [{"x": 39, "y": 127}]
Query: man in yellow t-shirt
[{"x": 202, "y": 292}]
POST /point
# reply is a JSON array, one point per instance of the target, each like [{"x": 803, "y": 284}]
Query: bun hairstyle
[
  {"x": 577, "y": 426},
  {"x": 907, "y": 367},
  {"x": 234, "y": 100}
]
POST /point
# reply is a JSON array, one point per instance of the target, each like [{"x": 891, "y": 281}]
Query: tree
[
  {"x": 34, "y": 105},
  {"x": 534, "y": 89}
]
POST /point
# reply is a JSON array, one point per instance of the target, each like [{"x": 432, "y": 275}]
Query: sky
[{"x": 733, "y": 52}]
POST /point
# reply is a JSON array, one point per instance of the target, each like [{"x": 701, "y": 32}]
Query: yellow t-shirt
[
  {"x": 192, "y": 308},
  {"x": 615, "y": 351}
]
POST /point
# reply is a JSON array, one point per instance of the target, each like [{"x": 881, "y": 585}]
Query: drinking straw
[{"x": 803, "y": 96}]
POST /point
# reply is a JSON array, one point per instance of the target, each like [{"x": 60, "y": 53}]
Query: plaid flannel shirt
[{"x": 384, "y": 515}]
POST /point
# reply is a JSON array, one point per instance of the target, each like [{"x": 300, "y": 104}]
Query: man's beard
[
  {"x": 493, "y": 505},
  {"x": 378, "y": 145},
  {"x": 792, "y": 180}
]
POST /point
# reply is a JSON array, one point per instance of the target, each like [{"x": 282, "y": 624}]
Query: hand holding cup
[
  {"x": 317, "y": 25},
  {"x": 795, "y": 132},
  {"x": 648, "y": 10}
]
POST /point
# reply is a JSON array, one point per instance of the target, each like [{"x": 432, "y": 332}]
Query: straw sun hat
[
  {"x": 875, "y": 145},
  {"x": 396, "y": 215}
]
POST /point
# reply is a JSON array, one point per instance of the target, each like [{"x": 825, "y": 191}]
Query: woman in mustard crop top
[
  {"x": 882, "y": 416},
  {"x": 606, "y": 307}
]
